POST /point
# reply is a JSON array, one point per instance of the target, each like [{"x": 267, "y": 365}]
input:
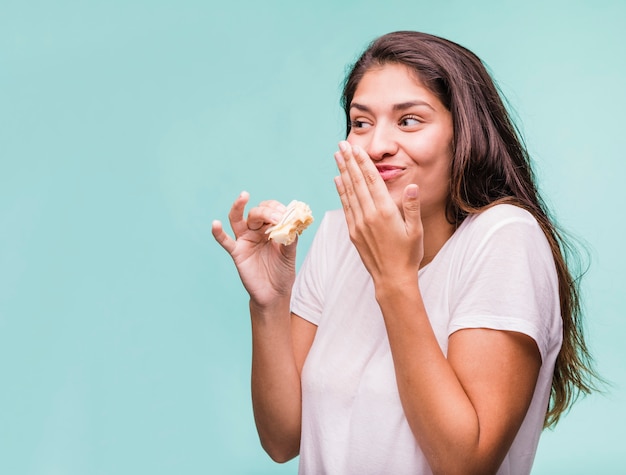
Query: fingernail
[
  {"x": 411, "y": 192},
  {"x": 356, "y": 149},
  {"x": 275, "y": 217},
  {"x": 343, "y": 146}
]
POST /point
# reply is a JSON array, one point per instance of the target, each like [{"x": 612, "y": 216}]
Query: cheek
[
  {"x": 433, "y": 167},
  {"x": 433, "y": 152},
  {"x": 354, "y": 139}
]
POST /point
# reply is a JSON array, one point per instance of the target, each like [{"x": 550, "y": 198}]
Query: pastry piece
[{"x": 296, "y": 219}]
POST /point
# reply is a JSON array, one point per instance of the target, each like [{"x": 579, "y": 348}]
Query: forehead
[{"x": 392, "y": 83}]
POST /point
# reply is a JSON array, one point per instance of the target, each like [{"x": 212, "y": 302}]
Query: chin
[
  {"x": 395, "y": 191},
  {"x": 397, "y": 199}
]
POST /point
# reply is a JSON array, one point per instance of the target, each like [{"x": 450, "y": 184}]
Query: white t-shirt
[{"x": 496, "y": 271}]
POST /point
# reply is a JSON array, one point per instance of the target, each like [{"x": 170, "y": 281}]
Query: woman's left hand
[{"x": 389, "y": 240}]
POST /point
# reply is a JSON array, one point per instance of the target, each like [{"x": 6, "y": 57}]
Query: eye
[
  {"x": 409, "y": 121},
  {"x": 359, "y": 124}
]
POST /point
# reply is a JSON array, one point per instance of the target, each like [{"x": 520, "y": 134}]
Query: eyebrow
[{"x": 396, "y": 107}]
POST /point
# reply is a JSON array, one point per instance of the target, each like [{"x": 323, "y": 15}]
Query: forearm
[
  {"x": 276, "y": 395},
  {"x": 439, "y": 412}
]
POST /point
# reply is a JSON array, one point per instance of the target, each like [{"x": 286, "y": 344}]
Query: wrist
[
  {"x": 396, "y": 286},
  {"x": 272, "y": 309}
]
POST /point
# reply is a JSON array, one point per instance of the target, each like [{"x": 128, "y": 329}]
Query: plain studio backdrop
[{"x": 126, "y": 127}]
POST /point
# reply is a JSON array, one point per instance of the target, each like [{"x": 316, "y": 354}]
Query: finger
[
  {"x": 411, "y": 209},
  {"x": 276, "y": 205},
  {"x": 371, "y": 177},
  {"x": 261, "y": 216},
  {"x": 290, "y": 249},
  {"x": 222, "y": 238},
  {"x": 235, "y": 216},
  {"x": 359, "y": 180},
  {"x": 345, "y": 203},
  {"x": 345, "y": 188}
]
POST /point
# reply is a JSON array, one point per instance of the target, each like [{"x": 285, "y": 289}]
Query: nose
[{"x": 382, "y": 143}]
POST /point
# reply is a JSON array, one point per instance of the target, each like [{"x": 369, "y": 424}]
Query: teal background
[{"x": 126, "y": 127}]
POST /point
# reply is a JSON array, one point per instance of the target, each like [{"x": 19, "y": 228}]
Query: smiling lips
[{"x": 389, "y": 172}]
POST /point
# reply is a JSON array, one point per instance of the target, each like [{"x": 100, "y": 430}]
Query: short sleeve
[
  {"x": 507, "y": 280},
  {"x": 307, "y": 296}
]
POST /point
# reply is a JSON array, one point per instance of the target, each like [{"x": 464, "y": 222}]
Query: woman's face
[{"x": 406, "y": 131}]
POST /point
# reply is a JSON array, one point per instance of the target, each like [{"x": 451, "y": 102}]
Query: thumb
[
  {"x": 411, "y": 208},
  {"x": 290, "y": 249},
  {"x": 222, "y": 238}
]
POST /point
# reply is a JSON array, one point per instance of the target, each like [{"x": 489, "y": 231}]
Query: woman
[{"x": 434, "y": 325}]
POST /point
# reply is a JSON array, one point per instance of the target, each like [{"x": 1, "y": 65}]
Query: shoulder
[
  {"x": 334, "y": 218},
  {"x": 501, "y": 215},
  {"x": 504, "y": 276},
  {"x": 503, "y": 221},
  {"x": 331, "y": 238},
  {"x": 505, "y": 232},
  {"x": 333, "y": 224}
]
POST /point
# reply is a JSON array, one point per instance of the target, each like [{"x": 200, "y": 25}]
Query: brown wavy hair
[{"x": 490, "y": 165}]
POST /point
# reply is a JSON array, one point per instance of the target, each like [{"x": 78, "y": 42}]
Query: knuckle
[
  {"x": 357, "y": 180},
  {"x": 370, "y": 220},
  {"x": 362, "y": 223},
  {"x": 387, "y": 211},
  {"x": 360, "y": 159},
  {"x": 370, "y": 178}
]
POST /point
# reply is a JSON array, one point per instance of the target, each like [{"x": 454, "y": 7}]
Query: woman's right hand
[{"x": 266, "y": 268}]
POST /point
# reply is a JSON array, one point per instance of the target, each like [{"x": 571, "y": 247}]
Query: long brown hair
[{"x": 490, "y": 165}]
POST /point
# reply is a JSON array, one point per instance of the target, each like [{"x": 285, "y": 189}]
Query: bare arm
[
  {"x": 279, "y": 347},
  {"x": 280, "y": 341},
  {"x": 464, "y": 410}
]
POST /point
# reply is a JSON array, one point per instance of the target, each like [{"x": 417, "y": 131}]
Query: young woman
[{"x": 434, "y": 325}]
